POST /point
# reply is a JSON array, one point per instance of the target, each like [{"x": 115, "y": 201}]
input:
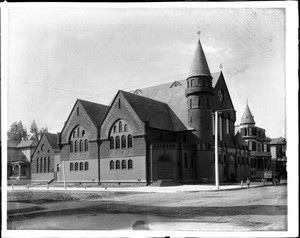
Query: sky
[{"x": 57, "y": 55}]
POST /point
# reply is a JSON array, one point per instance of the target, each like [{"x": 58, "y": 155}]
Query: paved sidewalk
[{"x": 149, "y": 189}]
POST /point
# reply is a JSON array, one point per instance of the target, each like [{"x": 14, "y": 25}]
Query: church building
[{"x": 164, "y": 132}]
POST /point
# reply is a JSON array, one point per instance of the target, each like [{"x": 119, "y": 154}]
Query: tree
[
  {"x": 17, "y": 132},
  {"x": 34, "y": 131},
  {"x": 43, "y": 130}
]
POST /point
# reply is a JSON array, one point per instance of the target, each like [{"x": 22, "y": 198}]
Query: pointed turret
[
  {"x": 199, "y": 65},
  {"x": 247, "y": 117}
]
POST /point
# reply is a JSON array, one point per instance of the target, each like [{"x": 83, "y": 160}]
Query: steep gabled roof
[
  {"x": 52, "y": 138},
  {"x": 27, "y": 143},
  {"x": 199, "y": 66},
  {"x": 95, "y": 111},
  {"x": 158, "y": 114}
]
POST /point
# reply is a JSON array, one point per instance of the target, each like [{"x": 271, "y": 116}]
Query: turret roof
[
  {"x": 199, "y": 64},
  {"x": 247, "y": 117}
]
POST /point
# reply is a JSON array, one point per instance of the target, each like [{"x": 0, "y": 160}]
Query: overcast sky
[{"x": 57, "y": 55}]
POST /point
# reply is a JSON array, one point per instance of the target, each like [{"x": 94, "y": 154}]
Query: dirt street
[{"x": 254, "y": 209}]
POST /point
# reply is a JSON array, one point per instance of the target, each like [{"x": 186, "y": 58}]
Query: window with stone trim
[
  {"x": 117, "y": 142},
  {"x": 111, "y": 142},
  {"x": 125, "y": 128},
  {"x": 81, "y": 166},
  {"x": 86, "y": 166},
  {"x": 129, "y": 141},
  {"x": 118, "y": 164},
  {"x": 41, "y": 165},
  {"x": 123, "y": 164},
  {"x": 76, "y": 166},
  {"x": 86, "y": 145},
  {"x": 81, "y": 145},
  {"x": 111, "y": 165},
  {"x": 130, "y": 164},
  {"x": 71, "y": 146},
  {"x": 123, "y": 139},
  {"x": 71, "y": 166},
  {"x": 76, "y": 146},
  {"x": 120, "y": 126}
]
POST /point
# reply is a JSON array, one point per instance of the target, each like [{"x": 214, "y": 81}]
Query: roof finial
[
  {"x": 198, "y": 32},
  {"x": 221, "y": 66}
]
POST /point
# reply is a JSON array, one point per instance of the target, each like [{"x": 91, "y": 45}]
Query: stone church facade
[{"x": 165, "y": 132}]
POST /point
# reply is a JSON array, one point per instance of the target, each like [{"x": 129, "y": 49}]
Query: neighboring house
[
  {"x": 258, "y": 143},
  {"x": 278, "y": 152},
  {"x": 165, "y": 132},
  {"x": 43, "y": 159},
  {"x": 18, "y": 161}
]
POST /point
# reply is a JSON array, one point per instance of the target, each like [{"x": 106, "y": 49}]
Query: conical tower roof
[
  {"x": 247, "y": 117},
  {"x": 199, "y": 65}
]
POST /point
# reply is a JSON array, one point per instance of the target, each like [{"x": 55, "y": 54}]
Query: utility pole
[{"x": 216, "y": 152}]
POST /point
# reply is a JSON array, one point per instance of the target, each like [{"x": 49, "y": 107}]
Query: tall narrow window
[
  {"x": 71, "y": 146},
  {"x": 76, "y": 146},
  {"x": 125, "y": 127},
  {"x": 185, "y": 160},
  {"x": 129, "y": 141},
  {"x": 123, "y": 164},
  {"x": 76, "y": 166},
  {"x": 71, "y": 167},
  {"x": 86, "y": 166},
  {"x": 74, "y": 133},
  {"x": 227, "y": 126},
  {"x": 111, "y": 143},
  {"x": 86, "y": 145},
  {"x": 123, "y": 139},
  {"x": 117, "y": 164},
  {"x": 77, "y": 111},
  {"x": 191, "y": 103},
  {"x": 48, "y": 167},
  {"x": 41, "y": 165},
  {"x": 78, "y": 132},
  {"x": 81, "y": 166},
  {"x": 57, "y": 168},
  {"x": 111, "y": 165},
  {"x": 192, "y": 82},
  {"x": 119, "y": 103},
  {"x": 37, "y": 165},
  {"x": 188, "y": 85},
  {"x": 120, "y": 126},
  {"x": 130, "y": 165},
  {"x": 117, "y": 142},
  {"x": 83, "y": 133},
  {"x": 45, "y": 165},
  {"x": 81, "y": 145},
  {"x": 199, "y": 103}
]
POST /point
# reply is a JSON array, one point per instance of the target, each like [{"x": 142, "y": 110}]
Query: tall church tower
[{"x": 199, "y": 92}]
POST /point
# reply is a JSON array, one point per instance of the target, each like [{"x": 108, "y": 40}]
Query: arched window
[
  {"x": 120, "y": 126},
  {"x": 74, "y": 134},
  {"x": 123, "y": 164},
  {"x": 111, "y": 165},
  {"x": 129, "y": 141},
  {"x": 77, "y": 111},
  {"x": 81, "y": 166},
  {"x": 45, "y": 165},
  {"x": 78, "y": 132},
  {"x": 76, "y": 146},
  {"x": 86, "y": 166},
  {"x": 37, "y": 165},
  {"x": 130, "y": 165},
  {"x": 48, "y": 167},
  {"x": 71, "y": 167},
  {"x": 123, "y": 138},
  {"x": 81, "y": 145},
  {"x": 117, "y": 142},
  {"x": 83, "y": 133},
  {"x": 112, "y": 144},
  {"x": 125, "y": 127},
  {"x": 185, "y": 160},
  {"x": 86, "y": 145},
  {"x": 117, "y": 164},
  {"x": 71, "y": 146},
  {"x": 41, "y": 165},
  {"x": 76, "y": 166}
]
